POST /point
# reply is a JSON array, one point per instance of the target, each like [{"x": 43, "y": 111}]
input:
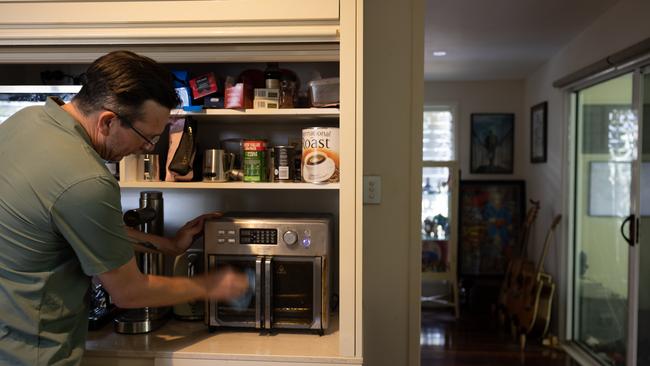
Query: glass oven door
[
  {"x": 236, "y": 313},
  {"x": 295, "y": 289}
]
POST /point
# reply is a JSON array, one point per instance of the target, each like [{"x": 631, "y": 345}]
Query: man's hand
[
  {"x": 226, "y": 284},
  {"x": 145, "y": 242},
  {"x": 190, "y": 231}
]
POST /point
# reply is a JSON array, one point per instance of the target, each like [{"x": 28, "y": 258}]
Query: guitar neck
[
  {"x": 531, "y": 215},
  {"x": 547, "y": 241}
]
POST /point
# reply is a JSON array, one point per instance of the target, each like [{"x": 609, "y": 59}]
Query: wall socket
[{"x": 371, "y": 189}]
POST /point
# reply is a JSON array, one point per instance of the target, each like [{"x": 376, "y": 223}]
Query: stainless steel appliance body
[
  {"x": 144, "y": 320},
  {"x": 217, "y": 164},
  {"x": 289, "y": 254}
]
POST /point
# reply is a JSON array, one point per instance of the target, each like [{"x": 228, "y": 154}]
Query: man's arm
[
  {"x": 129, "y": 288},
  {"x": 170, "y": 246}
]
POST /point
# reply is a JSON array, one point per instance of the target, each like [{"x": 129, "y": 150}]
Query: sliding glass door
[{"x": 605, "y": 202}]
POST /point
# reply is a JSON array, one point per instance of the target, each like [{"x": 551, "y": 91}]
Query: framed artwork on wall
[
  {"x": 491, "y": 214},
  {"x": 492, "y": 145},
  {"x": 538, "y": 132}
]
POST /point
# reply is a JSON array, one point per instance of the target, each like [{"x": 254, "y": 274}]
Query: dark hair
[{"x": 123, "y": 81}]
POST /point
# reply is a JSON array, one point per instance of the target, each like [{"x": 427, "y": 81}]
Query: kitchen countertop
[{"x": 182, "y": 339}]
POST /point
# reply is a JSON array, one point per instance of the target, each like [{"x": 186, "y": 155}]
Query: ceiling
[{"x": 500, "y": 39}]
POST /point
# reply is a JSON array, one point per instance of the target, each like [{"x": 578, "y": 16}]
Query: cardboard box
[
  {"x": 265, "y": 93},
  {"x": 266, "y": 103}
]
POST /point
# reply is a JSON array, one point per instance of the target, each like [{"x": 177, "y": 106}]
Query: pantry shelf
[
  {"x": 228, "y": 185},
  {"x": 285, "y": 114}
]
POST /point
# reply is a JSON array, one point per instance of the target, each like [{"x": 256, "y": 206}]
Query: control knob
[{"x": 290, "y": 237}]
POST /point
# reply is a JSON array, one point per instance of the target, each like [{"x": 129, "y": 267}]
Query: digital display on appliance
[{"x": 258, "y": 236}]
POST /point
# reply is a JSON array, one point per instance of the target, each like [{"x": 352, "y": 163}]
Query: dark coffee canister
[{"x": 283, "y": 165}]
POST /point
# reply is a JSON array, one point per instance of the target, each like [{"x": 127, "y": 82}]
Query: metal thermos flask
[
  {"x": 144, "y": 320},
  {"x": 153, "y": 200},
  {"x": 153, "y": 263}
]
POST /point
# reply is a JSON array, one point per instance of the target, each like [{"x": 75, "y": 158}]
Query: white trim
[
  {"x": 358, "y": 188},
  {"x": 134, "y": 12},
  {"x": 415, "y": 183},
  {"x": 350, "y": 223},
  {"x": 177, "y": 53},
  {"x": 569, "y": 209},
  {"x": 90, "y": 35},
  {"x": 634, "y": 253}
]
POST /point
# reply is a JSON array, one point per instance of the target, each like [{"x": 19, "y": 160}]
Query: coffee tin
[
  {"x": 320, "y": 155},
  {"x": 283, "y": 168},
  {"x": 254, "y": 162}
]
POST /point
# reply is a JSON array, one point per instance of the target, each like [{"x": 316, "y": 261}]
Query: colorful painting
[{"x": 491, "y": 215}]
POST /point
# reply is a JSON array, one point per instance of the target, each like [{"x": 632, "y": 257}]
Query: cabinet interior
[{"x": 181, "y": 204}]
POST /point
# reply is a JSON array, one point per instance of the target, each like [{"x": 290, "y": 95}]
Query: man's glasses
[{"x": 153, "y": 141}]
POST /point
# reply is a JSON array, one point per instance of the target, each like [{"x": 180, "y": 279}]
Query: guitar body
[
  {"x": 520, "y": 294},
  {"x": 534, "y": 314},
  {"x": 509, "y": 287},
  {"x": 509, "y": 283},
  {"x": 544, "y": 303},
  {"x": 532, "y": 307}
]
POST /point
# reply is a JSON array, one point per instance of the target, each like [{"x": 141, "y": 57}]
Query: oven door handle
[
  {"x": 268, "y": 289},
  {"x": 258, "y": 292}
]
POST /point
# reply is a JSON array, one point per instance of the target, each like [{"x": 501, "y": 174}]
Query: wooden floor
[{"x": 476, "y": 339}]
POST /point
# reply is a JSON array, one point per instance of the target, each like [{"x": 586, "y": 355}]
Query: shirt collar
[{"x": 64, "y": 119}]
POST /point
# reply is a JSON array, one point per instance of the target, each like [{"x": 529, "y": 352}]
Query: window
[
  {"x": 438, "y": 137},
  {"x": 438, "y": 175}
]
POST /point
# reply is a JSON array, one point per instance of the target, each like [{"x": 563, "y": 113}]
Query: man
[{"x": 61, "y": 219}]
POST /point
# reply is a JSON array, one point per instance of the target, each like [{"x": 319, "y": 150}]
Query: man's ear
[{"x": 105, "y": 121}]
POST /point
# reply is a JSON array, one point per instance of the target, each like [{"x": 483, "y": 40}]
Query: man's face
[{"x": 129, "y": 137}]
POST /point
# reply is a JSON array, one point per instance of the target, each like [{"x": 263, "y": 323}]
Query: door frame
[{"x": 638, "y": 68}]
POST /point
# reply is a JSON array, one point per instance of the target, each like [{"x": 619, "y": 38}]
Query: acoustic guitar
[
  {"x": 533, "y": 308},
  {"x": 516, "y": 263}
]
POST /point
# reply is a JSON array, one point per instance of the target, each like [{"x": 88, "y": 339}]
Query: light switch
[{"x": 371, "y": 189}]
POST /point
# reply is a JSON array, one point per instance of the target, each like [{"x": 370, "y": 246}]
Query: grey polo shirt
[{"x": 60, "y": 222}]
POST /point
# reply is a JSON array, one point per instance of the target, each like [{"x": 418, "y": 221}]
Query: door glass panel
[
  {"x": 606, "y": 147},
  {"x": 292, "y": 291},
  {"x": 643, "y": 353},
  {"x": 436, "y": 204},
  {"x": 236, "y": 311}
]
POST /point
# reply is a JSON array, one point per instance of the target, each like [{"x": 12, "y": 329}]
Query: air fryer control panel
[{"x": 269, "y": 234}]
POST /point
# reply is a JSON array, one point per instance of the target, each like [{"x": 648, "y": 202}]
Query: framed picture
[
  {"x": 491, "y": 148},
  {"x": 491, "y": 215},
  {"x": 538, "y": 132}
]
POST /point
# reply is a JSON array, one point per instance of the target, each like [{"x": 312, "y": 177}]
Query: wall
[
  {"x": 388, "y": 73},
  {"x": 621, "y": 26},
  {"x": 482, "y": 97}
]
